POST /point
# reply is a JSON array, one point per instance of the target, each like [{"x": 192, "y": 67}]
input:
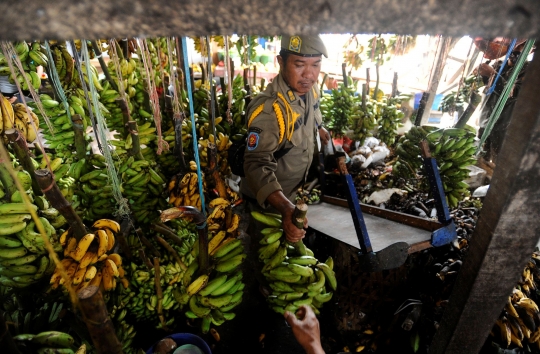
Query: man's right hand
[{"x": 286, "y": 209}]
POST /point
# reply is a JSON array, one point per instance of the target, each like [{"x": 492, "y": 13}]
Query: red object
[
  {"x": 346, "y": 144},
  {"x": 495, "y": 48}
]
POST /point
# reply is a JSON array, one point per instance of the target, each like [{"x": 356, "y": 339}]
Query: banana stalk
[
  {"x": 96, "y": 50},
  {"x": 136, "y": 147},
  {"x": 97, "y": 320},
  {"x": 47, "y": 184},
  {"x": 159, "y": 292},
  {"x": 23, "y": 155},
  {"x": 80, "y": 142}
]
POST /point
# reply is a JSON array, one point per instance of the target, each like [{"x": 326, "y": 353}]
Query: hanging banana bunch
[
  {"x": 389, "y": 118},
  {"x": 295, "y": 276},
  {"x": 340, "y": 110},
  {"x": 87, "y": 261}
]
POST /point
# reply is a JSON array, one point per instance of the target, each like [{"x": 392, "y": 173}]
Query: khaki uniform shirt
[{"x": 268, "y": 133}]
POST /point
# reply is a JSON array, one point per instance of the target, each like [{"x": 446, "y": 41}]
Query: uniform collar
[{"x": 292, "y": 97}]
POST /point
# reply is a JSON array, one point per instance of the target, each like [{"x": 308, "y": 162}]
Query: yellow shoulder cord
[
  {"x": 290, "y": 115},
  {"x": 255, "y": 113},
  {"x": 281, "y": 121}
]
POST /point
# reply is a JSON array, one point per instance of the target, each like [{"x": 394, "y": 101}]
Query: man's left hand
[{"x": 325, "y": 136}]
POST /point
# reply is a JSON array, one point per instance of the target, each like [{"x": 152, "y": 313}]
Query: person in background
[
  {"x": 283, "y": 122},
  {"x": 494, "y": 49}
]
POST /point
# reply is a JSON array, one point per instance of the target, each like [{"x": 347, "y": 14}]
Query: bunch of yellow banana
[
  {"x": 185, "y": 191},
  {"x": 17, "y": 117},
  {"x": 87, "y": 262},
  {"x": 49, "y": 342},
  {"x": 520, "y": 319},
  {"x": 295, "y": 276}
]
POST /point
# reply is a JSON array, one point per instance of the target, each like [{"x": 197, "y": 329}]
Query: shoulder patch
[
  {"x": 256, "y": 130},
  {"x": 252, "y": 141},
  {"x": 291, "y": 95}
]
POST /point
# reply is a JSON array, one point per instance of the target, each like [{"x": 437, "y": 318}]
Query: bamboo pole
[
  {"x": 45, "y": 180},
  {"x": 98, "y": 322}
]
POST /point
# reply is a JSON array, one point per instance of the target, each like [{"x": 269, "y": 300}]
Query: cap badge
[{"x": 295, "y": 43}]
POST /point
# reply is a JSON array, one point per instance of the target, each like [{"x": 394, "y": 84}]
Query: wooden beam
[
  {"x": 505, "y": 235},
  {"x": 68, "y": 19}
]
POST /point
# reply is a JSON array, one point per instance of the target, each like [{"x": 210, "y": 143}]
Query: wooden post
[
  {"x": 98, "y": 322},
  {"x": 104, "y": 67},
  {"x": 442, "y": 54},
  {"x": 505, "y": 234},
  {"x": 47, "y": 184},
  {"x": 80, "y": 142},
  {"x": 23, "y": 155},
  {"x": 394, "y": 84}
]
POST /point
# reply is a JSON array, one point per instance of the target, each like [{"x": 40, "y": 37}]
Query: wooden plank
[
  {"x": 68, "y": 19},
  {"x": 402, "y": 218},
  {"x": 505, "y": 235},
  {"x": 336, "y": 222}
]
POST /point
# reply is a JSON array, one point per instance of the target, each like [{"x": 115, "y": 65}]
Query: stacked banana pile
[
  {"x": 222, "y": 144},
  {"x": 63, "y": 138},
  {"x": 31, "y": 58},
  {"x": 452, "y": 147},
  {"x": 364, "y": 120},
  {"x": 141, "y": 298},
  {"x": 295, "y": 276},
  {"x": 86, "y": 261},
  {"x": 93, "y": 191},
  {"x": 519, "y": 323},
  {"x": 185, "y": 191},
  {"x": 389, "y": 118},
  {"x": 49, "y": 342}
]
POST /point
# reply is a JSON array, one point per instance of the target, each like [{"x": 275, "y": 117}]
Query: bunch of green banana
[
  {"x": 143, "y": 186},
  {"x": 24, "y": 259},
  {"x": 141, "y": 297},
  {"x": 212, "y": 297},
  {"x": 94, "y": 193},
  {"x": 309, "y": 197},
  {"x": 49, "y": 342},
  {"x": 31, "y": 57},
  {"x": 452, "y": 147},
  {"x": 33, "y": 319},
  {"x": 364, "y": 120},
  {"x": 146, "y": 133},
  {"x": 295, "y": 276},
  {"x": 238, "y": 128},
  {"x": 517, "y": 325},
  {"x": 339, "y": 112},
  {"x": 389, "y": 118},
  {"x": 125, "y": 332}
]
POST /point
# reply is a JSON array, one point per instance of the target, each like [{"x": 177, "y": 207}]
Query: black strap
[{"x": 280, "y": 153}]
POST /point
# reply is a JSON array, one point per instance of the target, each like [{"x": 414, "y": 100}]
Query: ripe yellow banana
[
  {"x": 216, "y": 241},
  {"x": 234, "y": 223},
  {"x": 103, "y": 242},
  {"x": 111, "y": 239},
  {"x": 90, "y": 273},
  {"x": 113, "y": 269},
  {"x": 115, "y": 257},
  {"x": 71, "y": 244},
  {"x": 88, "y": 259},
  {"x": 107, "y": 224},
  {"x": 79, "y": 252},
  {"x": 78, "y": 277},
  {"x": 197, "y": 285},
  {"x": 96, "y": 281}
]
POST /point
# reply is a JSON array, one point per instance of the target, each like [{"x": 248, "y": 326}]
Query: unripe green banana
[
  {"x": 304, "y": 271},
  {"x": 225, "y": 287},
  {"x": 278, "y": 257},
  {"x": 329, "y": 274},
  {"x": 213, "y": 285},
  {"x": 230, "y": 264},
  {"x": 271, "y": 238},
  {"x": 268, "y": 251},
  {"x": 215, "y": 302}
]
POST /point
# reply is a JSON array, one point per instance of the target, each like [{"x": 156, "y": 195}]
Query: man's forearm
[{"x": 278, "y": 200}]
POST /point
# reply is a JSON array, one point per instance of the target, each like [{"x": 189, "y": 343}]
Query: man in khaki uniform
[{"x": 282, "y": 125}]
